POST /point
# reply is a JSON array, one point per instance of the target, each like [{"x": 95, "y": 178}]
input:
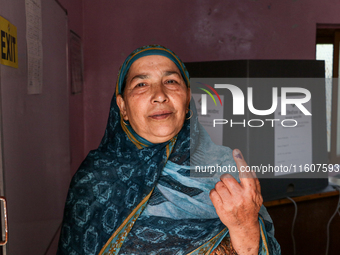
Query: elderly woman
[{"x": 134, "y": 194}]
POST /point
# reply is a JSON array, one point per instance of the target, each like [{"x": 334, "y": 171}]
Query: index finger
[{"x": 247, "y": 177}]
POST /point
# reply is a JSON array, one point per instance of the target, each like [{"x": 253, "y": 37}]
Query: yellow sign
[{"x": 8, "y": 44}]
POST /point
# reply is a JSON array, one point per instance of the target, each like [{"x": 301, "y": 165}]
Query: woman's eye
[
  {"x": 140, "y": 85},
  {"x": 171, "y": 81}
]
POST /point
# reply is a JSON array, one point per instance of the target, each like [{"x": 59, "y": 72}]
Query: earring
[
  {"x": 191, "y": 113},
  {"x": 126, "y": 124}
]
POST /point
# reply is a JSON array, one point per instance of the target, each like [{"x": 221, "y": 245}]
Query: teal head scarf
[{"x": 114, "y": 182}]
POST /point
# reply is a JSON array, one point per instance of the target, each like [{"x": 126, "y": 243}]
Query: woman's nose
[{"x": 159, "y": 95}]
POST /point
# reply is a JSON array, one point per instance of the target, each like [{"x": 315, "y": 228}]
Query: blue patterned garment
[{"x": 133, "y": 197}]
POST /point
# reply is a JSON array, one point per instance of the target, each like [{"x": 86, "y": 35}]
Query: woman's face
[{"x": 156, "y": 98}]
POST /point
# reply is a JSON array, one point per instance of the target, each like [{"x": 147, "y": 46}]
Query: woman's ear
[{"x": 122, "y": 108}]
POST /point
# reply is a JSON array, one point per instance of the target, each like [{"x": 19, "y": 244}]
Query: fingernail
[{"x": 237, "y": 154}]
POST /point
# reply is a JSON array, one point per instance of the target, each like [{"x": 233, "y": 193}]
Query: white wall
[{"x": 36, "y": 134}]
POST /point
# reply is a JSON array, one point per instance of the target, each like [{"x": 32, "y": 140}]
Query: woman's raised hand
[{"x": 238, "y": 205}]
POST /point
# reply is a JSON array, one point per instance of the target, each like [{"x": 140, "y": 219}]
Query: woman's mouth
[{"x": 160, "y": 115}]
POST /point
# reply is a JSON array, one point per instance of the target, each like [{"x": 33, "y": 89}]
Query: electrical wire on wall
[
  {"x": 330, "y": 220},
  {"x": 293, "y": 224}
]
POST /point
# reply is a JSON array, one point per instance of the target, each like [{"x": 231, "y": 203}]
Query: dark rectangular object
[{"x": 257, "y": 144}]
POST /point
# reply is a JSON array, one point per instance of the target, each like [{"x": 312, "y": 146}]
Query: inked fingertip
[
  {"x": 237, "y": 154},
  {"x": 225, "y": 176}
]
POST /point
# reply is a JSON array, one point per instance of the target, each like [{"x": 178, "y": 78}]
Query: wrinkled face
[{"x": 156, "y": 98}]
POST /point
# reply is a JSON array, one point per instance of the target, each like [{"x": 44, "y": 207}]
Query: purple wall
[{"x": 207, "y": 30}]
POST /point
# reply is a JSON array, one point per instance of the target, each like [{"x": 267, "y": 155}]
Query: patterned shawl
[{"x": 133, "y": 197}]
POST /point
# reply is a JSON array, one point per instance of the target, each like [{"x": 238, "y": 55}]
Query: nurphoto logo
[{"x": 239, "y": 103}]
